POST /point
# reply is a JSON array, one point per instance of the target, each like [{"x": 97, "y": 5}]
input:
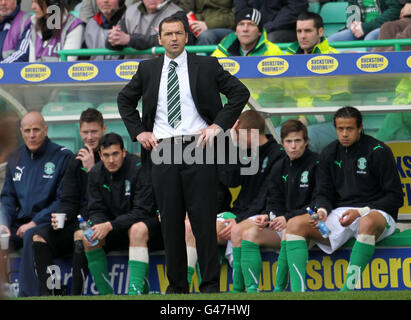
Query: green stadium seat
[
  {"x": 373, "y": 122},
  {"x": 379, "y": 99},
  {"x": 65, "y": 133},
  {"x": 397, "y": 239},
  {"x": 334, "y": 16},
  {"x": 65, "y": 108},
  {"x": 118, "y": 126},
  {"x": 314, "y": 7}
]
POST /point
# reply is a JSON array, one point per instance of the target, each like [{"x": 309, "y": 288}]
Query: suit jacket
[{"x": 207, "y": 80}]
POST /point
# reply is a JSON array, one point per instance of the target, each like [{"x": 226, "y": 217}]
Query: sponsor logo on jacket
[
  {"x": 18, "y": 175},
  {"x": 49, "y": 169}
]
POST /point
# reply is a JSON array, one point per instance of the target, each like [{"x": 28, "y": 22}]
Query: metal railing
[{"x": 396, "y": 43}]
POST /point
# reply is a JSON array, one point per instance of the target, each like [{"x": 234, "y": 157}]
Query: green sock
[
  {"x": 138, "y": 283},
  {"x": 198, "y": 273},
  {"x": 251, "y": 265},
  {"x": 281, "y": 278},
  {"x": 190, "y": 272},
  {"x": 361, "y": 255},
  {"x": 97, "y": 264},
  {"x": 238, "y": 280},
  {"x": 297, "y": 256}
]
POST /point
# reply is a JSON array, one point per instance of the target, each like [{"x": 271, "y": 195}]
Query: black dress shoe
[
  {"x": 172, "y": 290},
  {"x": 211, "y": 289}
]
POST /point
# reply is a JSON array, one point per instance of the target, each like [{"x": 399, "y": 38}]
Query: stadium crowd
[
  {"x": 115, "y": 24},
  {"x": 350, "y": 181}
]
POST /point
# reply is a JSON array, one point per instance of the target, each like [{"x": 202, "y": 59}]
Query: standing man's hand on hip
[
  {"x": 148, "y": 140},
  {"x": 208, "y": 134}
]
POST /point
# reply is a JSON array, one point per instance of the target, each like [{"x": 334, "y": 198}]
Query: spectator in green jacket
[{"x": 366, "y": 17}]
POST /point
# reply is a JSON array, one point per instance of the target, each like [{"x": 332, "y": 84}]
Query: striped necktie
[{"x": 173, "y": 96}]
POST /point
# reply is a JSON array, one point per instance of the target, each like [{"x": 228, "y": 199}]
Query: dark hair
[
  {"x": 293, "y": 125},
  {"x": 251, "y": 119},
  {"x": 318, "y": 21},
  {"x": 349, "y": 112},
  {"x": 173, "y": 18},
  {"x": 92, "y": 115},
  {"x": 110, "y": 139},
  {"x": 41, "y": 24}
]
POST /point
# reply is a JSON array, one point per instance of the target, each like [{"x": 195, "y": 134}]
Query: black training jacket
[
  {"x": 74, "y": 192},
  {"x": 124, "y": 197},
  {"x": 291, "y": 188},
  {"x": 252, "y": 197},
  {"x": 364, "y": 174}
]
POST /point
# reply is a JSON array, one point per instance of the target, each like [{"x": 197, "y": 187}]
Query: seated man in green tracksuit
[
  {"x": 121, "y": 206},
  {"x": 359, "y": 194}
]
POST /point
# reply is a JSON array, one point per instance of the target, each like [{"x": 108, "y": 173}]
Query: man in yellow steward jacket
[
  {"x": 310, "y": 36},
  {"x": 249, "y": 38}
]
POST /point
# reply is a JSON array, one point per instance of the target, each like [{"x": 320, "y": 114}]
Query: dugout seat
[
  {"x": 373, "y": 121},
  {"x": 64, "y": 132},
  {"x": 334, "y": 16},
  {"x": 397, "y": 239}
]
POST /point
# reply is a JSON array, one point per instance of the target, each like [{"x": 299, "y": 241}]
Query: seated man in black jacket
[
  {"x": 122, "y": 209},
  {"x": 360, "y": 190},
  {"x": 291, "y": 189},
  {"x": 50, "y": 242},
  {"x": 251, "y": 200}
]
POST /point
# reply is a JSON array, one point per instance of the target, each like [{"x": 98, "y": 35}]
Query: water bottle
[
  {"x": 86, "y": 230},
  {"x": 322, "y": 227}
]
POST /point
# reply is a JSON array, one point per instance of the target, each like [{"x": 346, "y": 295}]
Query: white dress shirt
[{"x": 191, "y": 121}]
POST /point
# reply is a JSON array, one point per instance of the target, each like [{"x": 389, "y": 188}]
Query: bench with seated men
[{"x": 389, "y": 269}]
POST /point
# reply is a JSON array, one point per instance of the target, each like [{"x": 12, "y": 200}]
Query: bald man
[{"x": 31, "y": 192}]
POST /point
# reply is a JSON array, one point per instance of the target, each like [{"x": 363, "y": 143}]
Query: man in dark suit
[{"x": 181, "y": 113}]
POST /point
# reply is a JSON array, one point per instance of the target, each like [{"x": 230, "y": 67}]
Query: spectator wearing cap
[
  {"x": 51, "y": 30},
  {"x": 278, "y": 16},
  {"x": 249, "y": 38},
  {"x": 97, "y": 29},
  {"x": 13, "y": 23}
]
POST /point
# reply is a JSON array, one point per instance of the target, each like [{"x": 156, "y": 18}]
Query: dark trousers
[
  {"x": 192, "y": 188},
  {"x": 28, "y": 281},
  {"x": 279, "y": 36}
]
